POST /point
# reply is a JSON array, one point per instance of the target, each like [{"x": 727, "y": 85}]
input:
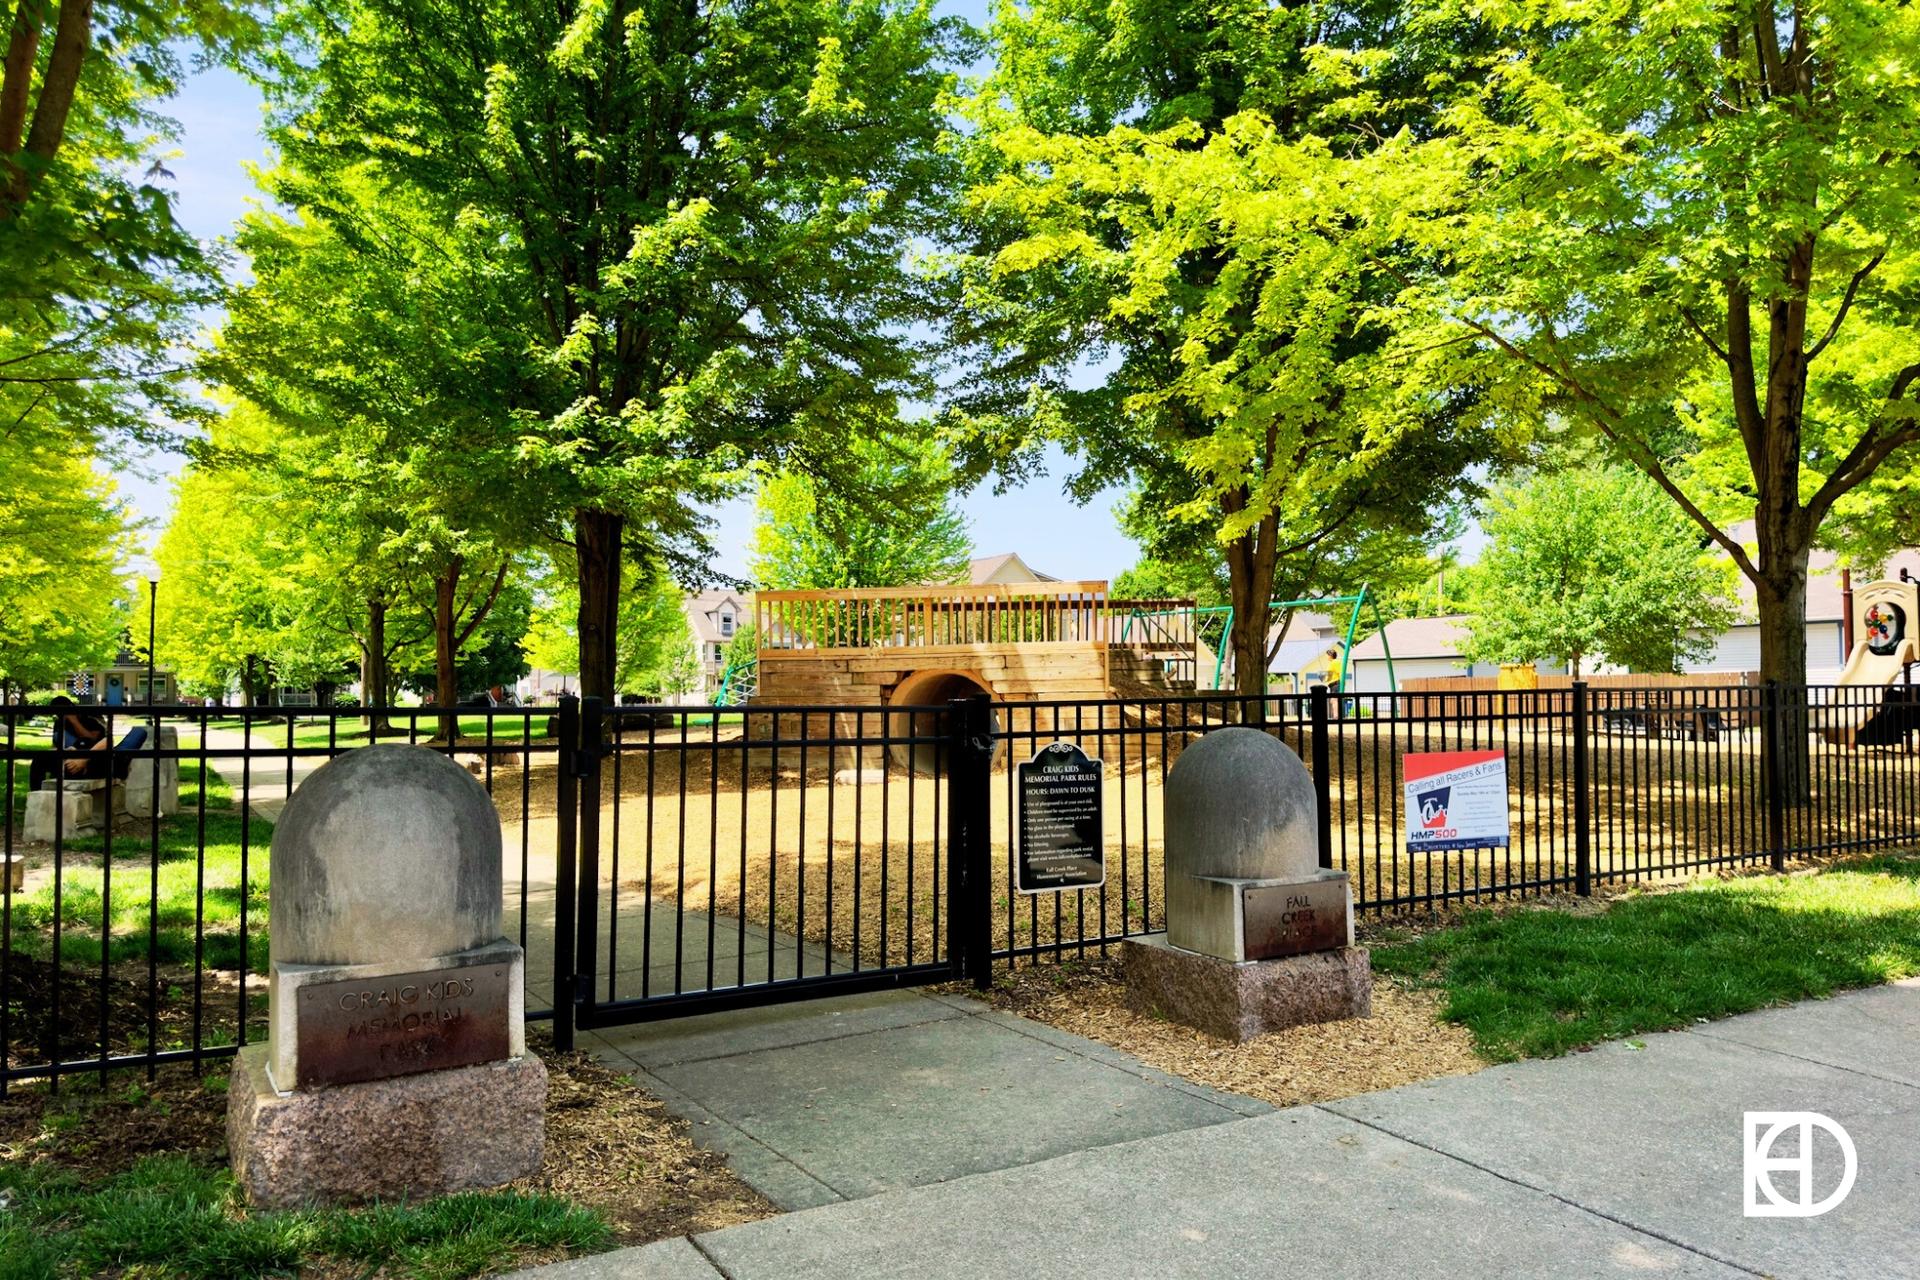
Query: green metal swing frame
[{"x": 1361, "y": 599}]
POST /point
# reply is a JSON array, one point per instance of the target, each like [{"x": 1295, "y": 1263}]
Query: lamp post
[{"x": 153, "y": 601}]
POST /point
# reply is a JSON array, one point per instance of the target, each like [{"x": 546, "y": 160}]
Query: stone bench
[
  {"x": 142, "y": 795},
  {"x": 89, "y": 803},
  {"x": 72, "y": 809}
]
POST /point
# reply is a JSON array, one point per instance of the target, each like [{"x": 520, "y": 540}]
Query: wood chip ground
[{"x": 1402, "y": 1042}]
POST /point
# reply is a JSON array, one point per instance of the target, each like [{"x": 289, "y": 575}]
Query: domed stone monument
[
  {"x": 1259, "y": 935},
  {"x": 395, "y": 1062}
]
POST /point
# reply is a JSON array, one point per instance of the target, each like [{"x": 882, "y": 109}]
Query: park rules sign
[
  {"x": 1060, "y": 837},
  {"x": 1456, "y": 800}
]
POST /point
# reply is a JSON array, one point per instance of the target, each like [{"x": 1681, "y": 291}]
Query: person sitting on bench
[{"x": 78, "y": 731}]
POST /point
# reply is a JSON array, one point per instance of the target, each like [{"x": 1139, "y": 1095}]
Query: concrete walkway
[
  {"x": 263, "y": 779},
  {"x": 837, "y": 1100},
  {"x": 1623, "y": 1161}
]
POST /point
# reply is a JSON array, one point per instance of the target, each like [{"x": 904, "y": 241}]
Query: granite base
[
  {"x": 1240, "y": 1001},
  {"x": 399, "y": 1139}
]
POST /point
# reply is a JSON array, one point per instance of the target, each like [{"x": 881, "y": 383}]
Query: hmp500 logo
[{"x": 1764, "y": 1199}]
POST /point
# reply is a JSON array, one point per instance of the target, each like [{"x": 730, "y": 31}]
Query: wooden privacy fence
[{"x": 1476, "y": 697}]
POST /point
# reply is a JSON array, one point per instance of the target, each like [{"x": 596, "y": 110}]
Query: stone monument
[
  {"x": 395, "y": 1063},
  {"x": 154, "y": 785},
  {"x": 1258, "y": 937}
]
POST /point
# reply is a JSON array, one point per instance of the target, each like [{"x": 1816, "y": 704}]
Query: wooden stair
[{"x": 1136, "y": 671}]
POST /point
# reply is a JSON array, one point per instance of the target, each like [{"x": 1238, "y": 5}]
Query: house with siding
[
  {"x": 714, "y": 618},
  {"x": 1431, "y": 646},
  {"x": 1006, "y": 567}
]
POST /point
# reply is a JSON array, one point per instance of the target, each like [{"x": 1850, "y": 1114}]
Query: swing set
[{"x": 1212, "y": 624}]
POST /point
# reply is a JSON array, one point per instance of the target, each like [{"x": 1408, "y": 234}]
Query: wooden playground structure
[{"x": 1018, "y": 642}]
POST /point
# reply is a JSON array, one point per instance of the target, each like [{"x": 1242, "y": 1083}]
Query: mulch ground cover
[{"x": 1402, "y": 1042}]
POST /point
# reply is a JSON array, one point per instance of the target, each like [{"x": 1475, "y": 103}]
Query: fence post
[
  {"x": 1322, "y": 775},
  {"x": 586, "y": 950},
  {"x": 567, "y": 814},
  {"x": 1772, "y": 750},
  {"x": 1582, "y": 796},
  {"x": 969, "y": 839}
]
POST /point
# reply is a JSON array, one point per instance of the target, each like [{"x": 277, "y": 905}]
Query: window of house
[{"x": 726, "y": 623}]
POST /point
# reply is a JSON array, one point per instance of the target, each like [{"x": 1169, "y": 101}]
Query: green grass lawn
[
  {"x": 1538, "y": 983},
  {"x": 189, "y": 884},
  {"x": 350, "y": 732},
  {"x": 169, "y": 1217}
]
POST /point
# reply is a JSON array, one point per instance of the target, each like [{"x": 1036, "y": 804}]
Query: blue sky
[{"x": 220, "y": 116}]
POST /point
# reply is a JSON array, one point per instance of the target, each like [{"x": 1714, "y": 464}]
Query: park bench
[
  {"x": 73, "y": 807},
  {"x": 90, "y": 803}
]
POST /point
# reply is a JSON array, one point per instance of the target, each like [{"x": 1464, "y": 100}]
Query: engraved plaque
[
  {"x": 1292, "y": 919},
  {"x": 405, "y": 1023}
]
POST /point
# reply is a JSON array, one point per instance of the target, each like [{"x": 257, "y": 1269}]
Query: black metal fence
[
  {"x": 666, "y": 860},
  {"x": 136, "y": 932},
  {"x": 759, "y": 854}
]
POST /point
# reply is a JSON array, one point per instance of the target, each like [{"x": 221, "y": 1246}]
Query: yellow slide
[{"x": 1883, "y": 615}]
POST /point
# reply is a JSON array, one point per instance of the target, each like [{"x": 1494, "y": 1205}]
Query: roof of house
[
  {"x": 703, "y": 613},
  {"x": 1297, "y": 655},
  {"x": 1301, "y": 623},
  {"x": 1823, "y": 578},
  {"x": 1416, "y": 638},
  {"x": 1006, "y": 567}
]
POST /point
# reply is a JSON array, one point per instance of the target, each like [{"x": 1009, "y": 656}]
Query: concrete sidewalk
[
  {"x": 1623, "y": 1161},
  {"x": 264, "y": 780},
  {"x": 841, "y": 1099}
]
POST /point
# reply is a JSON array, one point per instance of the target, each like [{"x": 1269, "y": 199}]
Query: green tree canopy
[
  {"x": 382, "y": 343},
  {"x": 64, "y": 542},
  {"x": 887, "y": 518},
  {"x": 656, "y": 650},
  {"x": 249, "y": 569},
  {"x": 1192, "y": 200},
  {"x": 708, "y": 209},
  {"x": 1688, "y": 229},
  {"x": 100, "y": 279},
  {"x": 1589, "y": 563}
]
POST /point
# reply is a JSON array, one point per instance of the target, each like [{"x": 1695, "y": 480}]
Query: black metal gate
[{"x": 718, "y": 858}]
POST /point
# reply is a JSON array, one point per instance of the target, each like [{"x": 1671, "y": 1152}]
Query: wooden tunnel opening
[{"x": 931, "y": 689}]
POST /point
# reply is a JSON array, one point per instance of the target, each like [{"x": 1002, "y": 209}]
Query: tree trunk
[
  {"x": 446, "y": 585},
  {"x": 59, "y": 82},
  {"x": 16, "y": 76},
  {"x": 373, "y": 666},
  {"x": 596, "y": 540},
  {"x": 1250, "y": 587},
  {"x": 1781, "y": 598},
  {"x": 1252, "y": 617}
]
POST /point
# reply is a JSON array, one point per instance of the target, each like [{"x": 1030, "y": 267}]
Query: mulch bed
[
  {"x": 610, "y": 1146},
  {"x": 1402, "y": 1042},
  {"x": 29, "y": 993},
  {"x": 614, "y": 1147}
]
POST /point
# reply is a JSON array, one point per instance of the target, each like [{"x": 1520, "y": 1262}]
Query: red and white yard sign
[{"x": 1456, "y": 800}]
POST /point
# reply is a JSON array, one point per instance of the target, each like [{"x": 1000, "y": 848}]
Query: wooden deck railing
[
  {"x": 1155, "y": 626},
  {"x": 797, "y": 623}
]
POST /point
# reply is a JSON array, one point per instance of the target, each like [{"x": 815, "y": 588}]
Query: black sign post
[{"x": 1060, "y": 836}]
